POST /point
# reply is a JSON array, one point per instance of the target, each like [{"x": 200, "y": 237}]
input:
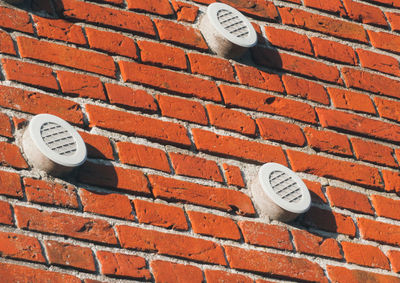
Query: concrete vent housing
[
  {"x": 227, "y": 31},
  {"x": 280, "y": 193},
  {"x": 53, "y": 145}
]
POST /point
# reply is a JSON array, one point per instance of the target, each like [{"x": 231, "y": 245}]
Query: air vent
[
  {"x": 227, "y": 31},
  {"x": 53, "y": 145},
  {"x": 280, "y": 193}
]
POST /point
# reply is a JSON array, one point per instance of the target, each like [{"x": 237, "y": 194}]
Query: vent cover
[{"x": 58, "y": 139}]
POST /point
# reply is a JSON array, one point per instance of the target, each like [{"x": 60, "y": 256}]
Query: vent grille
[
  {"x": 58, "y": 139},
  {"x": 232, "y": 23},
  {"x": 285, "y": 187}
]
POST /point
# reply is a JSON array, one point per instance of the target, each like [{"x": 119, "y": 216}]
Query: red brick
[
  {"x": 169, "y": 81},
  {"x": 391, "y": 3},
  {"x": 180, "y": 34},
  {"x": 266, "y": 235},
  {"x": 351, "y": 100},
  {"x": 359, "y": 125},
  {"x": 5, "y": 126},
  {"x": 328, "y": 141},
  {"x": 40, "y": 191},
  {"x": 132, "y": 181},
  {"x": 342, "y": 274},
  {"x": 36, "y": 103},
  {"x": 289, "y": 40},
  {"x": 332, "y": 50},
  {"x": 185, "y": 11},
  {"x": 10, "y": 184},
  {"x": 373, "y": 152},
  {"x": 20, "y": 247},
  {"x": 130, "y": 98},
  {"x": 254, "y": 77},
  {"x": 378, "y": 231},
  {"x": 30, "y": 74},
  {"x": 267, "y": 103},
  {"x": 379, "y": 62},
  {"x": 211, "y": 66},
  {"x": 185, "y": 192},
  {"x": 61, "y": 224},
  {"x": 264, "y": 10},
  {"x": 143, "y": 156},
  {"x": 116, "y": 18},
  {"x": 392, "y": 181},
  {"x": 16, "y": 19},
  {"x": 182, "y": 109},
  {"x": 237, "y": 148},
  {"x": 171, "y": 244},
  {"x": 10, "y": 155},
  {"x": 330, "y": 221},
  {"x": 6, "y": 215},
  {"x": 349, "y": 200},
  {"x": 394, "y": 257},
  {"x": 388, "y": 109},
  {"x": 66, "y": 56},
  {"x": 106, "y": 204},
  {"x": 333, "y": 6},
  {"x": 365, "y": 255},
  {"x": 111, "y": 42},
  {"x": 280, "y": 131},
  {"x": 162, "y": 215},
  {"x": 163, "y": 55},
  {"x": 81, "y": 85},
  {"x": 271, "y": 58},
  {"x": 385, "y": 41},
  {"x": 97, "y": 146},
  {"x": 17, "y": 273},
  {"x": 123, "y": 265},
  {"x": 70, "y": 255},
  {"x": 214, "y": 225},
  {"x": 305, "y": 89},
  {"x": 6, "y": 44},
  {"x": 159, "y": 7},
  {"x": 229, "y": 119},
  {"x": 193, "y": 166},
  {"x": 91, "y": 280},
  {"x": 233, "y": 175},
  {"x": 308, "y": 243},
  {"x": 169, "y": 272},
  {"x": 323, "y": 24},
  {"x": 133, "y": 124},
  {"x": 394, "y": 20},
  {"x": 316, "y": 193},
  {"x": 386, "y": 207},
  {"x": 219, "y": 276},
  {"x": 286, "y": 267},
  {"x": 59, "y": 29},
  {"x": 364, "y": 13}
]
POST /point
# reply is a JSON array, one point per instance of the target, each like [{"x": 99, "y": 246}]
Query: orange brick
[
  {"x": 392, "y": 181},
  {"x": 386, "y": 207},
  {"x": 379, "y": 62},
  {"x": 6, "y": 215},
  {"x": 289, "y": 40},
  {"x": 254, "y": 77},
  {"x": 333, "y": 6},
  {"x": 184, "y": 11},
  {"x": 333, "y": 50},
  {"x": 373, "y": 152},
  {"x": 161, "y": 54},
  {"x": 394, "y": 257},
  {"x": 97, "y": 146},
  {"x": 349, "y": 200},
  {"x": 385, "y": 41},
  {"x": 305, "y": 89},
  {"x": 379, "y": 232},
  {"x": 6, "y": 45},
  {"x": 223, "y": 276},
  {"x": 316, "y": 193},
  {"x": 159, "y": 7},
  {"x": 16, "y": 19},
  {"x": 365, "y": 13},
  {"x": 388, "y": 109},
  {"x": 342, "y": 274},
  {"x": 211, "y": 66},
  {"x": 328, "y": 141},
  {"x": 10, "y": 184},
  {"x": 280, "y": 131},
  {"x": 351, "y": 100},
  {"x": 5, "y": 126},
  {"x": 233, "y": 175},
  {"x": 365, "y": 255},
  {"x": 394, "y": 20},
  {"x": 10, "y": 155},
  {"x": 170, "y": 272}
]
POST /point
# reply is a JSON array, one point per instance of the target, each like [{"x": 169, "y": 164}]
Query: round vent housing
[
  {"x": 280, "y": 193},
  {"x": 227, "y": 31},
  {"x": 53, "y": 145}
]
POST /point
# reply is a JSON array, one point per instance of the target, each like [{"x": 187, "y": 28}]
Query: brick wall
[{"x": 175, "y": 136}]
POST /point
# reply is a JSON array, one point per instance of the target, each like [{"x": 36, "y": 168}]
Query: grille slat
[
  {"x": 232, "y": 24},
  {"x": 58, "y": 139},
  {"x": 285, "y": 187}
]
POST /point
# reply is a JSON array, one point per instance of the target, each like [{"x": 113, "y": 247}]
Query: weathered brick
[
  {"x": 5, "y": 126},
  {"x": 378, "y": 231},
  {"x": 223, "y": 276},
  {"x": 10, "y": 155},
  {"x": 264, "y": 10},
  {"x": 20, "y": 247},
  {"x": 334, "y": 51},
  {"x": 211, "y": 66},
  {"x": 123, "y": 265},
  {"x": 305, "y": 89},
  {"x": 394, "y": 20},
  {"x": 386, "y": 207},
  {"x": 365, "y": 13},
  {"x": 66, "y": 56},
  {"x": 132, "y": 181},
  {"x": 171, "y": 244},
  {"x": 349, "y": 200},
  {"x": 229, "y": 119},
  {"x": 169, "y": 81},
  {"x": 6, "y": 43},
  {"x": 130, "y": 98},
  {"x": 161, "y": 54},
  {"x": 57, "y": 223},
  {"x": 251, "y": 76},
  {"x": 182, "y": 109},
  {"x": 185, "y": 11},
  {"x": 40, "y": 191},
  {"x": 233, "y": 175},
  {"x": 316, "y": 193},
  {"x": 169, "y": 272},
  {"x": 342, "y": 274},
  {"x": 335, "y": 169},
  {"x": 114, "y": 205},
  {"x": 394, "y": 257},
  {"x": 237, "y": 148},
  {"x": 162, "y": 215},
  {"x": 218, "y": 198},
  {"x": 385, "y": 41},
  {"x": 214, "y": 225},
  {"x": 365, "y": 255},
  {"x": 378, "y": 62},
  {"x": 392, "y": 181},
  {"x": 159, "y": 7},
  {"x": 373, "y": 152},
  {"x": 81, "y": 85},
  {"x": 266, "y": 235},
  {"x": 280, "y": 131},
  {"x": 308, "y": 243},
  {"x": 274, "y": 264},
  {"x": 391, "y": 3},
  {"x": 29, "y": 73},
  {"x": 388, "y": 109},
  {"x": 143, "y": 156},
  {"x": 137, "y": 125},
  {"x": 333, "y": 6},
  {"x": 262, "y": 102},
  {"x": 328, "y": 141},
  {"x": 16, "y": 19},
  {"x": 97, "y": 146},
  {"x": 351, "y": 100},
  {"x": 10, "y": 184},
  {"x": 70, "y": 255},
  {"x": 289, "y": 40},
  {"x": 6, "y": 215},
  {"x": 180, "y": 34}
]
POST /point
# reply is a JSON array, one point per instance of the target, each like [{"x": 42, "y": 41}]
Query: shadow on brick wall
[{"x": 43, "y": 8}]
